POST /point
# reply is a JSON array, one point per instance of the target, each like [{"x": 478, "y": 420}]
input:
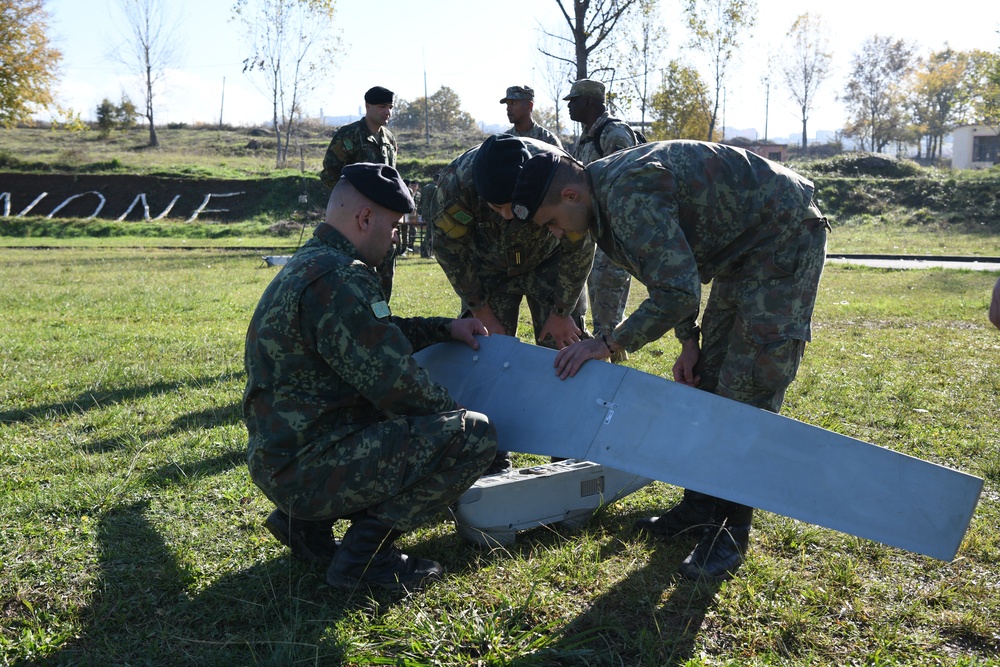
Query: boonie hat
[
  {"x": 518, "y": 93},
  {"x": 586, "y": 88},
  {"x": 380, "y": 183}
]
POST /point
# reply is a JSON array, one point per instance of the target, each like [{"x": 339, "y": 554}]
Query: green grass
[{"x": 131, "y": 533}]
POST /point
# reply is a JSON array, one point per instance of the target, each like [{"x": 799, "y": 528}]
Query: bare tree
[
  {"x": 646, "y": 43},
  {"x": 150, "y": 48},
  {"x": 717, "y": 28},
  {"x": 590, "y": 23},
  {"x": 292, "y": 44},
  {"x": 556, "y": 73},
  {"x": 806, "y": 64},
  {"x": 874, "y": 95}
]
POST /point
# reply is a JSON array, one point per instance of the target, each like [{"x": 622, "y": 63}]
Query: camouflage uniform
[
  {"x": 616, "y": 136},
  {"x": 681, "y": 213},
  {"x": 608, "y": 284},
  {"x": 340, "y": 417},
  {"x": 426, "y": 199},
  {"x": 678, "y": 214},
  {"x": 352, "y": 143},
  {"x": 537, "y": 132},
  {"x": 487, "y": 263}
]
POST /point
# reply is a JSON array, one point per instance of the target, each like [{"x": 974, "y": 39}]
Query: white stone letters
[{"x": 140, "y": 199}]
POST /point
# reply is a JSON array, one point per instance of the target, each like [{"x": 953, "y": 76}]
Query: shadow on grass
[
  {"x": 206, "y": 419},
  {"x": 147, "y": 608},
  {"x": 92, "y": 400},
  {"x": 633, "y": 623},
  {"x": 173, "y": 472}
]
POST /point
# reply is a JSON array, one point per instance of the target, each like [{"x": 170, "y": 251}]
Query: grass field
[{"x": 131, "y": 533}]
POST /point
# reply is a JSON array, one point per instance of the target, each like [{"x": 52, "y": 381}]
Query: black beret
[
  {"x": 496, "y": 165},
  {"x": 380, "y": 183},
  {"x": 532, "y": 184},
  {"x": 379, "y": 95}
]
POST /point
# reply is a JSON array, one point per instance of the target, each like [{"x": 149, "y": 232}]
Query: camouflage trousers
[
  {"x": 504, "y": 298},
  {"x": 756, "y": 324},
  {"x": 608, "y": 287},
  {"x": 402, "y": 471}
]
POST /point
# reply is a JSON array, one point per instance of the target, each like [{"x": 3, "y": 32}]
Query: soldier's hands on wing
[
  {"x": 570, "y": 359},
  {"x": 489, "y": 320},
  {"x": 562, "y": 329},
  {"x": 466, "y": 329},
  {"x": 686, "y": 361}
]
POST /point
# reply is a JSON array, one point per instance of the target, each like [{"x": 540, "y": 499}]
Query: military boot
[
  {"x": 695, "y": 512},
  {"x": 310, "y": 541},
  {"x": 367, "y": 556},
  {"x": 501, "y": 464},
  {"x": 718, "y": 555}
]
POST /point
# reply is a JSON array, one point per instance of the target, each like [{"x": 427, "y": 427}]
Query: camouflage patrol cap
[
  {"x": 586, "y": 88},
  {"x": 533, "y": 182},
  {"x": 380, "y": 183},
  {"x": 496, "y": 165},
  {"x": 518, "y": 93}
]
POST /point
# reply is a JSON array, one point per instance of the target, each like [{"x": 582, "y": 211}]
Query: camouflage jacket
[
  {"x": 615, "y": 137},
  {"x": 355, "y": 143},
  {"x": 324, "y": 357},
  {"x": 426, "y": 199},
  {"x": 677, "y": 214},
  {"x": 472, "y": 241},
  {"x": 538, "y": 132}
]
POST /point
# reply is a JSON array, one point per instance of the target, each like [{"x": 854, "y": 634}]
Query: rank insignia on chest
[{"x": 381, "y": 309}]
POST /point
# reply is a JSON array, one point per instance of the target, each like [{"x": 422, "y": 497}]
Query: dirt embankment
[{"x": 113, "y": 196}]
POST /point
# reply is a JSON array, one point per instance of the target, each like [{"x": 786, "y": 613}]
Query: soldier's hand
[
  {"x": 466, "y": 330},
  {"x": 489, "y": 320},
  {"x": 562, "y": 329},
  {"x": 571, "y": 358},
  {"x": 684, "y": 366}
]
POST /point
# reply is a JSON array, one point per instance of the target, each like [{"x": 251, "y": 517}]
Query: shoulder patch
[{"x": 381, "y": 309}]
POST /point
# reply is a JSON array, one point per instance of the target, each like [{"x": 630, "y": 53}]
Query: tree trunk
[{"x": 153, "y": 141}]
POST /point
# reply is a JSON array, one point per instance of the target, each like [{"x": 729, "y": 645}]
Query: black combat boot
[
  {"x": 719, "y": 554},
  {"x": 722, "y": 550},
  {"x": 367, "y": 556},
  {"x": 695, "y": 512},
  {"x": 501, "y": 464},
  {"x": 311, "y": 541}
]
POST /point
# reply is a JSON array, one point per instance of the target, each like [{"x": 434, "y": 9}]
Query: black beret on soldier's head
[
  {"x": 496, "y": 166},
  {"x": 532, "y": 184},
  {"x": 379, "y": 95},
  {"x": 380, "y": 183}
]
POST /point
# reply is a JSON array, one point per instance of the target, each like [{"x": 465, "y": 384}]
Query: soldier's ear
[
  {"x": 570, "y": 193},
  {"x": 364, "y": 218}
]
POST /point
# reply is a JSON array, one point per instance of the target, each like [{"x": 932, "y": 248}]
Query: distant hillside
[{"x": 229, "y": 175}]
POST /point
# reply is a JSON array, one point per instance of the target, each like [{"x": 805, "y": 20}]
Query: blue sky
[{"x": 478, "y": 48}]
